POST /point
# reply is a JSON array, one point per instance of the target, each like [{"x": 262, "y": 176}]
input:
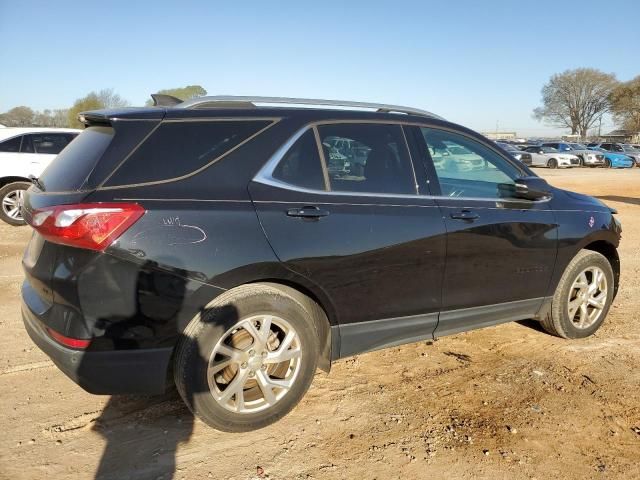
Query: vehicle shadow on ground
[
  {"x": 616, "y": 198},
  {"x": 142, "y": 436},
  {"x": 532, "y": 324}
]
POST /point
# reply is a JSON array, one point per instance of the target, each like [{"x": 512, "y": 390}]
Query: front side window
[
  {"x": 12, "y": 145},
  {"x": 301, "y": 165},
  {"x": 467, "y": 168},
  {"x": 367, "y": 158}
]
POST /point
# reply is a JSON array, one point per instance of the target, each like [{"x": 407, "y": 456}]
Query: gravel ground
[{"x": 504, "y": 402}]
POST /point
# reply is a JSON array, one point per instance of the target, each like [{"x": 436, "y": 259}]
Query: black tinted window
[
  {"x": 45, "y": 143},
  {"x": 301, "y": 164},
  {"x": 369, "y": 158},
  {"x": 180, "y": 148},
  {"x": 11, "y": 145},
  {"x": 72, "y": 166}
]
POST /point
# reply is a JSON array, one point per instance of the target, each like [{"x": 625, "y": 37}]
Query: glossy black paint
[{"x": 424, "y": 261}]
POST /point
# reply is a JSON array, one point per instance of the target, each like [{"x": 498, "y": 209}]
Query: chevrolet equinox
[{"x": 232, "y": 245}]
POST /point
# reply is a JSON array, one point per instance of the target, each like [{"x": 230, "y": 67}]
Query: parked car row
[{"x": 560, "y": 154}]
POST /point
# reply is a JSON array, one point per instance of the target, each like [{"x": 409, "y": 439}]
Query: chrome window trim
[{"x": 265, "y": 174}]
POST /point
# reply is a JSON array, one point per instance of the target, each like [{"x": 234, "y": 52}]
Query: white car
[
  {"x": 25, "y": 152},
  {"x": 542, "y": 156}
]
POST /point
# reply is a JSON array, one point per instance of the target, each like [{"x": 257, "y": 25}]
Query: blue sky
[{"x": 475, "y": 63}]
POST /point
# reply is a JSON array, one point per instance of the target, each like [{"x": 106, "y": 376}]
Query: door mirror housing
[{"x": 532, "y": 188}]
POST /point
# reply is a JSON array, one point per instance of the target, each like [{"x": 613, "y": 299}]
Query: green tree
[
  {"x": 18, "y": 117},
  {"x": 625, "y": 104},
  {"x": 183, "y": 93},
  {"x": 94, "y": 101},
  {"x": 576, "y": 99}
]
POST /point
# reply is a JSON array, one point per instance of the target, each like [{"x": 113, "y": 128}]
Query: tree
[
  {"x": 625, "y": 104},
  {"x": 183, "y": 93},
  {"x": 18, "y": 117},
  {"x": 94, "y": 101},
  {"x": 576, "y": 99}
]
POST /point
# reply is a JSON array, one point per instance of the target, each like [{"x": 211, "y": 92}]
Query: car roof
[{"x": 9, "y": 132}]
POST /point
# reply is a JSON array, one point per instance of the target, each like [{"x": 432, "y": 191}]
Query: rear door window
[
  {"x": 367, "y": 158},
  {"x": 12, "y": 145},
  {"x": 176, "y": 149},
  {"x": 45, "y": 143}
]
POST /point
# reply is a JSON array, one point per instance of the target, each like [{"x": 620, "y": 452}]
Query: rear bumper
[{"x": 104, "y": 372}]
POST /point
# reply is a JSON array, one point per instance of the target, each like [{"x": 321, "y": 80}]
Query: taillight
[
  {"x": 86, "y": 225},
  {"x": 68, "y": 341}
]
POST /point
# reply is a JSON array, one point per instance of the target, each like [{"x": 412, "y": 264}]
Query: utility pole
[{"x": 599, "y": 127}]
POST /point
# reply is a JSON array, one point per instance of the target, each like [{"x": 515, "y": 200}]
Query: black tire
[
  {"x": 558, "y": 321},
  {"x": 607, "y": 163},
  {"x": 203, "y": 333},
  {"x": 552, "y": 163},
  {"x": 6, "y": 192},
  {"x": 581, "y": 164}
]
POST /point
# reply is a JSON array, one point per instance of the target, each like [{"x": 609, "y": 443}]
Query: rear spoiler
[{"x": 107, "y": 116}]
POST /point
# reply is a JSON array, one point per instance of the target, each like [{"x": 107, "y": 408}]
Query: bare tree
[
  {"x": 576, "y": 99},
  {"x": 110, "y": 99},
  {"x": 625, "y": 104}
]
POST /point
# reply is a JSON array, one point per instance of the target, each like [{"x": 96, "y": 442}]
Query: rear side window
[
  {"x": 367, "y": 157},
  {"x": 72, "y": 166},
  {"x": 11, "y": 145},
  {"x": 45, "y": 143},
  {"x": 301, "y": 165},
  {"x": 175, "y": 149}
]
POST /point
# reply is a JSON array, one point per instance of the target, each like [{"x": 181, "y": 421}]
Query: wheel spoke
[
  {"x": 8, "y": 201},
  {"x": 235, "y": 386},
  {"x": 573, "y": 306},
  {"x": 284, "y": 351},
  {"x": 233, "y": 353},
  {"x": 221, "y": 365},
  {"x": 584, "y": 314},
  {"x": 268, "y": 384}
]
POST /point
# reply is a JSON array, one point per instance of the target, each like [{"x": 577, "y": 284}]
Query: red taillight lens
[
  {"x": 87, "y": 225},
  {"x": 68, "y": 341}
]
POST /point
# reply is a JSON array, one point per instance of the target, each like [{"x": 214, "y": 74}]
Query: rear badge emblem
[{"x": 592, "y": 221}]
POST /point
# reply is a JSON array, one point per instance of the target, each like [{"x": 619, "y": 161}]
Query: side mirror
[{"x": 532, "y": 188}]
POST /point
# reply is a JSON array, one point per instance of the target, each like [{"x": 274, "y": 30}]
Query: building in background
[{"x": 500, "y": 135}]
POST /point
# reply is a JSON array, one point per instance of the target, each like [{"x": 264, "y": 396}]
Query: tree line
[
  {"x": 23, "y": 116},
  {"x": 577, "y": 99}
]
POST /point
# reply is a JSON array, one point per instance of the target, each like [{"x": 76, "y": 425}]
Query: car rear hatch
[{"x": 51, "y": 267}]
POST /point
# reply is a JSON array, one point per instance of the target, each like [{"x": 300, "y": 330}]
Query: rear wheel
[
  {"x": 580, "y": 161},
  {"x": 553, "y": 163},
  {"x": 11, "y": 197},
  {"x": 248, "y": 359},
  {"x": 583, "y": 297}
]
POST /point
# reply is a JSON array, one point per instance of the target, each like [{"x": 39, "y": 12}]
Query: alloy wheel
[
  {"x": 254, "y": 364},
  {"x": 587, "y": 297},
  {"x": 12, "y": 204}
]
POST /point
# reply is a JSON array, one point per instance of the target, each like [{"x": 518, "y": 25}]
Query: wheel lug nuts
[
  {"x": 252, "y": 353},
  {"x": 243, "y": 365},
  {"x": 264, "y": 354},
  {"x": 252, "y": 373}
]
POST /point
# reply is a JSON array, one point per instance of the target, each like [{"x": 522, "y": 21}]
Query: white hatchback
[{"x": 25, "y": 152}]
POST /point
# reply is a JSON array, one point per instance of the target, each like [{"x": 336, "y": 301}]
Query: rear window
[
  {"x": 180, "y": 148},
  {"x": 69, "y": 170}
]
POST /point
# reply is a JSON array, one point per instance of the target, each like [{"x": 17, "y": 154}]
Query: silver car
[
  {"x": 542, "y": 156},
  {"x": 588, "y": 158}
]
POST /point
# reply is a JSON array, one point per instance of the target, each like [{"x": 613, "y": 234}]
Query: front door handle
[
  {"x": 307, "y": 212},
  {"x": 464, "y": 215}
]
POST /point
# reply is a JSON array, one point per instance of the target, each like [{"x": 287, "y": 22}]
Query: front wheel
[
  {"x": 249, "y": 357},
  {"x": 607, "y": 163},
  {"x": 553, "y": 163},
  {"x": 11, "y": 197},
  {"x": 583, "y": 297}
]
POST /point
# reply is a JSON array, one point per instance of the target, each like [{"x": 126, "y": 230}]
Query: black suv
[{"x": 232, "y": 248}]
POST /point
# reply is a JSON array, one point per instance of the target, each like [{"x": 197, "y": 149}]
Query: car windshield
[
  {"x": 508, "y": 147},
  {"x": 578, "y": 146}
]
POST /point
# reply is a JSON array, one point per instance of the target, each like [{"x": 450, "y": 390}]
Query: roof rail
[{"x": 230, "y": 101}]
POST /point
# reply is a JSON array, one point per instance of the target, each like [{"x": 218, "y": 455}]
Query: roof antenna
[{"x": 162, "y": 100}]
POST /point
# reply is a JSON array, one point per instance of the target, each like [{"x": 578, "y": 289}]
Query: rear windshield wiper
[{"x": 36, "y": 182}]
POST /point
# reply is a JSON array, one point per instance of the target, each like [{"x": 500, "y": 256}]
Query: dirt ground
[{"x": 503, "y": 402}]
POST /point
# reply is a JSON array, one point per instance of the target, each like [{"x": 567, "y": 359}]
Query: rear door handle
[
  {"x": 464, "y": 215},
  {"x": 307, "y": 212}
]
